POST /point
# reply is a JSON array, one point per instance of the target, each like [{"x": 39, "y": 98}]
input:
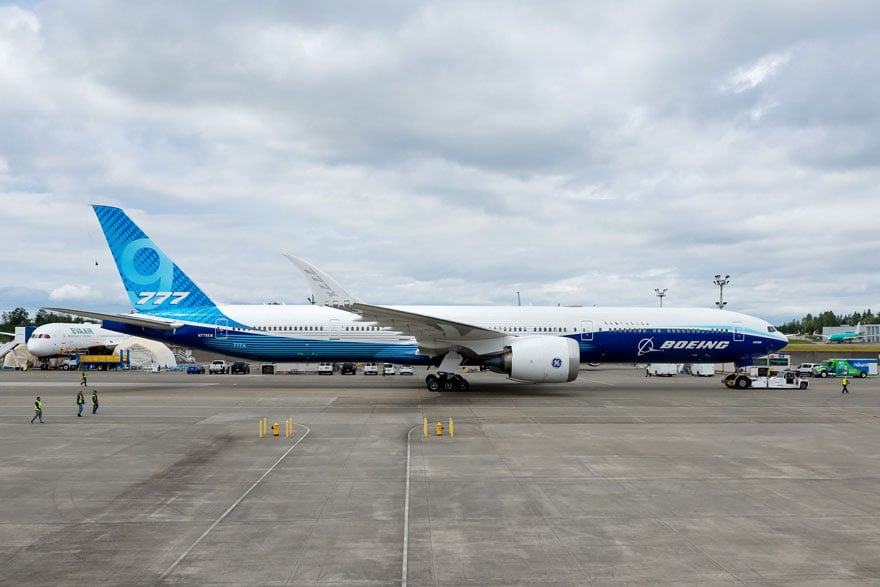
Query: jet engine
[{"x": 539, "y": 359}]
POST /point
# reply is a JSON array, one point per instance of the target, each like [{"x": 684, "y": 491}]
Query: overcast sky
[{"x": 448, "y": 152}]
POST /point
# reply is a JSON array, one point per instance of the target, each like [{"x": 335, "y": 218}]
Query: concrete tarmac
[{"x": 614, "y": 479}]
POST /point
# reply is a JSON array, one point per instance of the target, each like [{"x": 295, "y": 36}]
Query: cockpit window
[{"x": 771, "y": 329}]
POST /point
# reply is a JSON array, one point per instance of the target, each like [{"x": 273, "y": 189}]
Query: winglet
[{"x": 325, "y": 290}]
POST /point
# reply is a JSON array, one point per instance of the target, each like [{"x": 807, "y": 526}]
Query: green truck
[{"x": 846, "y": 367}]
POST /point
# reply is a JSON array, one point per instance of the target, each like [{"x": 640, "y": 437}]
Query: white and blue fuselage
[{"x": 309, "y": 333}]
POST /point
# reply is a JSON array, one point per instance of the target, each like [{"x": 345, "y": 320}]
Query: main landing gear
[{"x": 446, "y": 382}]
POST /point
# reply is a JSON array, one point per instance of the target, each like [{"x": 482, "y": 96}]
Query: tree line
[
  {"x": 21, "y": 317},
  {"x": 810, "y": 324}
]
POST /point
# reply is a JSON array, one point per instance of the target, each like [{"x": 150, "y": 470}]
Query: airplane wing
[
  {"x": 432, "y": 333},
  {"x": 326, "y": 291},
  {"x": 141, "y": 320}
]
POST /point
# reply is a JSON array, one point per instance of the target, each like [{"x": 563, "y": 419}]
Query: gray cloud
[{"x": 449, "y": 152}]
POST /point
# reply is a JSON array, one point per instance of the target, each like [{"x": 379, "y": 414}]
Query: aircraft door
[
  {"x": 738, "y": 332},
  {"x": 587, "y": 330},
  {"x": 334, "y": 329},
  {"x": 221, "y": 325}
]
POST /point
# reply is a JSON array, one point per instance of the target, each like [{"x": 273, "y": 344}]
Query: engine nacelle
[{"x": 540, "y": 359}]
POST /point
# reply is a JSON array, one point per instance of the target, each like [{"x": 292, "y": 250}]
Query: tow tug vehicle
[{"x": 765, "y": 379}]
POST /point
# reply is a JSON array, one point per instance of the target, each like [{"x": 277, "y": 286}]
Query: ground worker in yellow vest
[
  {"x": 80, "y": 401},
  {"x": 38, "y": 410},
  {"x": 845, "y": 381}
]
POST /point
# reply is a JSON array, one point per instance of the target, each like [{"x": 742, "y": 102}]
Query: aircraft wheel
[
  {"x": 432, "y": 382},
  {"x": 449, "y": 384},
  {"x": 463, "y": 384}
]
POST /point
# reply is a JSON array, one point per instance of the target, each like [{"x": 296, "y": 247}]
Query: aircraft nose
[
  {"x": 36, "y": 347},
  {"x": 778, "y": 341}
]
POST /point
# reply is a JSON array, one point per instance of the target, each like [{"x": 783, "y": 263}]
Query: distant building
[
  {"x": 867, "y": 332},
  {"x": 871, "y": 332}
]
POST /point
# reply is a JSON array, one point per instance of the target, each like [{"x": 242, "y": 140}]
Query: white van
[
  {"x": 703, "y": 369},
  {"x": 371, "y": 369},
  {"x": 663, "y": 369}
]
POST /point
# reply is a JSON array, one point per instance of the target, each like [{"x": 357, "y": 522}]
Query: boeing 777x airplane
[{"x": 531, "y": 344}]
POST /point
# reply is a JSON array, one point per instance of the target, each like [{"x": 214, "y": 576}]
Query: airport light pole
[
  {"x": 660, "y": 293},
  {"x": 721, "y": 282}
]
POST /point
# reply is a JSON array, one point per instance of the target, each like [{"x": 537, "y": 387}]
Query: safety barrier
[
  {"x": 439, "y": 428},
  {"x": 264, "y": 428}
]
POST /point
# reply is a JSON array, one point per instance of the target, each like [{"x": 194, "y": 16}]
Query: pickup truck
[
  {"x": 240, "y": 368},
  {"x": 218, "y": 367},
  {"x": 805, "y": 369},
  {"x": 69, "y": 364}
]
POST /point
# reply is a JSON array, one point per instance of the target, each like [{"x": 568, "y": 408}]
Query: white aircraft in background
[
  {"x": 59, "y": 338},
  {"x": 531, "y": 344}
]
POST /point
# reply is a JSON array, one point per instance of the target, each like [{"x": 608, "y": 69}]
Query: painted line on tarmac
[
  {"x": 110, "y": 384},
  {"x": 579, "y": 378},
  {"x": 173, "y": 566},
  {"x": 837, "y": 408},
  {"x": 406, "y": 508}
]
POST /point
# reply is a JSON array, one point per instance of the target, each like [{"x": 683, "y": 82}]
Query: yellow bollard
[
  {"x": 426, "y": 428},
  {"x": 261, "y": 429},
  {"x": 275, "y": 429},
  {"x": 451, "y": 428},
  {"x": 439, "y": 429}
]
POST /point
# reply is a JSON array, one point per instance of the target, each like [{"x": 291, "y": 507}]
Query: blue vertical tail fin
[{"x": 155, "y": 285}]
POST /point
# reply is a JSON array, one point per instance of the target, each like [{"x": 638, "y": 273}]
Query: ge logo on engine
[{"x": 556, "y": 362}]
